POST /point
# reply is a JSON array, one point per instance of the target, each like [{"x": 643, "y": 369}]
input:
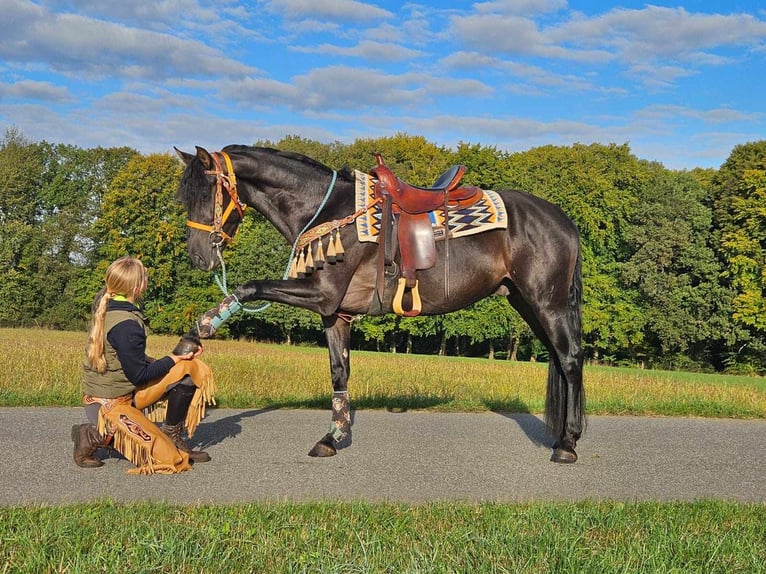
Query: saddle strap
[
  {"x": 446, "y": 252},
  {"x": 383, "y": 246}
]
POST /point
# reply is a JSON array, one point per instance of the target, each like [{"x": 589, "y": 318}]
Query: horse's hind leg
[
  {"x": 565, "y": 390},
  {"x": 338, "y": 332},
  {"x": 564, "y": 406}
]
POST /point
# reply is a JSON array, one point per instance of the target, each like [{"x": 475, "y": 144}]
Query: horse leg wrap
[
  {"x": 217, "y": 316},
  {"x": 341, "y": 416}
]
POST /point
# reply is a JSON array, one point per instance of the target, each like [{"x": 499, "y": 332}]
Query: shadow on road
[
  {"x": 215, "y": 432},
  {"x": 532, "y": 426}
]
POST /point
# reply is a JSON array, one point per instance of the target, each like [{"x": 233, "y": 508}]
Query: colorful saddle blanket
[{"x": 486, "y": 214}]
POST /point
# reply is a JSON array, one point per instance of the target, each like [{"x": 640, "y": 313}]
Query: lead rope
[{"x": 222, "y": 282}]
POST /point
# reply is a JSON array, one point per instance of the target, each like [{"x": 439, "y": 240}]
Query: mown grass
[
  {"x": 706, "y": 537},
  {"x": 43, "y": 368}
]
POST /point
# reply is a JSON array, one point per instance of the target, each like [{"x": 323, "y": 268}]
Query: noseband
[{"x": 225, "y": 178}]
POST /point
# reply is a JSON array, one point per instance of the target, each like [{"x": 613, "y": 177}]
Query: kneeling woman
[{"x": 120, "y": 381}]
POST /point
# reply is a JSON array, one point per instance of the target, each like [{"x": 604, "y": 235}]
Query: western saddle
[{"x": 407, "y": 207}]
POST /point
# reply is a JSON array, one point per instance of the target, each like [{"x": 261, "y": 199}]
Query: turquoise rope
[{"x": 318, "y": 211}]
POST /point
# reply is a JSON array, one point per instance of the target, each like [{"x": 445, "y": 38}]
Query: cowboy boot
[
  {"x": 86, "y": 442},
  {"x": 174, "y": 432},
  {"x": 179, "y": 399}
]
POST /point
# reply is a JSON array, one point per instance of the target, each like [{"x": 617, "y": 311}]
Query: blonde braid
[
  {"x": 125, "y": 276},
  {"x": 95, "y": 352}
]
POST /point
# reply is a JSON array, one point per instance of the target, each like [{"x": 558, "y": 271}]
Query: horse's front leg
[
  {"x": 298, "y": 292},
  {"x": 338, "y": 332}
]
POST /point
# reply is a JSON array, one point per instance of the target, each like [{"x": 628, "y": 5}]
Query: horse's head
[{"x": 208, "y": 190}]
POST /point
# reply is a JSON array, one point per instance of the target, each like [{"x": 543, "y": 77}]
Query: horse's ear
[
  {"x": 185, "y": 157},
  {"x": 204, "y": 157}
]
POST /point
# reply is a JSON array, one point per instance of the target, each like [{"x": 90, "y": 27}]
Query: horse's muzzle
[{"x": 204, "y": 262}]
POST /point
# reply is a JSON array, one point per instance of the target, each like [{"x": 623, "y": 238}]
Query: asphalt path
[{"x": 410, "y": 457}]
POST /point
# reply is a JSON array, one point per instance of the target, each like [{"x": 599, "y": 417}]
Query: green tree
[
  {"x": 140, "y": 217},
  {"x": 674, "y": 269},
  {"x": 740, "y": 224},
  {"x": 741, "y": 211},
  {"x": 72, "y": 185},
  {"x": 411, "y": 158},
  {"x": 484, "y": 166},
  {"x": 20, "y": 175},
  {"x": 491, "y": 320},
  {"x": 381, "y": 330},
  {"x": 422, "y": 327}
]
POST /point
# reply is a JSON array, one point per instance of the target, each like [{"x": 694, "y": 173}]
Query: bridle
[{"x": 225, "y": 178}]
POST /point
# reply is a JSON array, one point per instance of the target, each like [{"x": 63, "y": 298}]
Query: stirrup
[{"x": 416, "y": 303}]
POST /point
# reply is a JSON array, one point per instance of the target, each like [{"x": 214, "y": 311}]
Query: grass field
[
  {"x": 705, "y": 537},
  {"x": 43, "y": 368}
]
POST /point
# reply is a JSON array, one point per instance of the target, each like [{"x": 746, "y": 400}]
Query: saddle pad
[{"x": 487, "y": 213}]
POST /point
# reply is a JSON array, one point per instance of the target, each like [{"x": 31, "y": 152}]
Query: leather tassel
[
  {"x": 339, "y": 251},
  {"x": 331, "y": 255},
  {"x": 309, "y": 260},
  {"x": 301, "y": 268},
  {"x": 294, "y": 268},
  {"x": 319, "y": 257}
]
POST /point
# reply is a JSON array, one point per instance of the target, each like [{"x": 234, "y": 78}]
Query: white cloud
[
  {"x": 158, "y": 14},
  {"x": 369, "y": 50},
  {"x": 336, "y": 10},
  {"x": 659, "y": 32},
  {"x": 69, "y": 43},
  {"x": 35, "y": 90},
  {"x": 516, "y": 36},
  {"x": 658, "y": 77},
  {"x": 521, "y": 7},
  {"x": 664, "y": 112},
  {"x": 344, "y": 87},
  {"x": 260, "y": 92},
  {"x": 511, "y": 73},
  {"x": 336, "y": 87}
]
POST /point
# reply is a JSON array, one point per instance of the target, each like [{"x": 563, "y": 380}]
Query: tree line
[{"x": 674, "y": 262}]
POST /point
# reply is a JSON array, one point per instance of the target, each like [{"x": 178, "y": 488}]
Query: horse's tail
[{"x": 558, "y": 389}]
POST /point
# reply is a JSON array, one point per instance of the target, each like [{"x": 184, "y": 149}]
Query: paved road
[{"x": 408, "y": 457}]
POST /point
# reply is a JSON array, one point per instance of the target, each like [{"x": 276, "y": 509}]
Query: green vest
[{"x": 112, "y": 383}]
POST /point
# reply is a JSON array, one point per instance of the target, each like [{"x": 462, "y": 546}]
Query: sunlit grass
[
  {"x": 703, "y": 537},
  {"x": 44, "y": 368}
]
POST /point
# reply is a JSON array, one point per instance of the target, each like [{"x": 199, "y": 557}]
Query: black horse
[{"x": 535, "y": 262}]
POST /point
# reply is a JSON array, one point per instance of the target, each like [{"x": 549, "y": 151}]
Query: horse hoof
[
  {"x": 323, "y": 449},
  {"x": 187, "y": 344},
  {"x": 563, "y": 456}
]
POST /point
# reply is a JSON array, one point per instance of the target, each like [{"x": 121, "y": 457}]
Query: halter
[{"x": 224, "y": 179}]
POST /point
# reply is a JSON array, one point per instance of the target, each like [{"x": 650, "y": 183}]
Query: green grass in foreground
[
  {"x": 704, "y": 537},
  {"x": 43, "y": 368}
]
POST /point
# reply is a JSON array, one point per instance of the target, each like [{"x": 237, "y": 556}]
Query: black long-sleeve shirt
[{"x": 129, "y": 341}]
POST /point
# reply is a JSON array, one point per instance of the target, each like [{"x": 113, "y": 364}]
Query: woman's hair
[{"x": 127, "y": 277}]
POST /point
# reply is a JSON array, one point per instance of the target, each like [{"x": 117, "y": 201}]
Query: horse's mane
[
  {"x": 254, "y": 150},
  {"x": 305, "y": 160},
  {"x": 193, "y": 179}
]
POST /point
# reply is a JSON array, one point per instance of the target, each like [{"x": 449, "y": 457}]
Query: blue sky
[{"x": 682, "y": 83}]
